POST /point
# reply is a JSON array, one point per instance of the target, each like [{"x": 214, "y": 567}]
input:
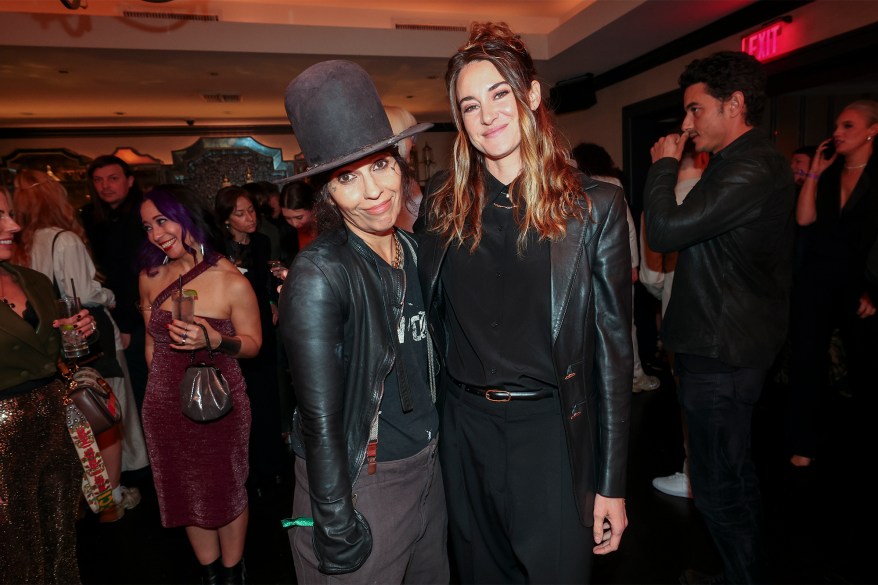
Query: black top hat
[{"x": 337, "y": 117}]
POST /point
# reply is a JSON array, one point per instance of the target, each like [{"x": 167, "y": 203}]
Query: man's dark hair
[
  {"x": 726, "y": 72},
  {"x": 101, "y": 210},
  {"x": 808, "y": 151}
]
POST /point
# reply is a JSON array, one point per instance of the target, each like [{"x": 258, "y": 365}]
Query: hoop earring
[
  {"x": 201, "y": 246},
  {"x": 166, "y": 260}
]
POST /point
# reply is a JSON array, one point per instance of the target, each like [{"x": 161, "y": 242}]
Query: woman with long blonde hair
[
  {"x": 526, "y": 272},
  {"x": 52, "y": 241}
]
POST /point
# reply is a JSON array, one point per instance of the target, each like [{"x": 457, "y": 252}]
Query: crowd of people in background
[{"x": 376, "y": 325}]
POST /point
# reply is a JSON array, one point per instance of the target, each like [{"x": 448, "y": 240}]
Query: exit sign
[{"x": 764, "y": 44}]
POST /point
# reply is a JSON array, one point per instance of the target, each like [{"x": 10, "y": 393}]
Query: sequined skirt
[{"x": 40, "y": 489}]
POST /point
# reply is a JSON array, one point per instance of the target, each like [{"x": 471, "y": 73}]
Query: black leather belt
[{"x": 500, "y": 395}]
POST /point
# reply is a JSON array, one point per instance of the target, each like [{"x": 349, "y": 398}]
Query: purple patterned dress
[{"x": 199, "y": 469}]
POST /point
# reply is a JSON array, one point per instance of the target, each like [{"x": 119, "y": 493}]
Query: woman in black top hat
[{"x": 369, "y": 503}]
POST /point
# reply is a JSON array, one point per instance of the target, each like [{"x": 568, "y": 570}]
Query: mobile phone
[{"x": 829, "y": 151}]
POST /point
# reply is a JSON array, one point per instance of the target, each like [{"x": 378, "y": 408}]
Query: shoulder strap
[
  {"x": 54, "y": 279},
  {"x": 209, "y": 260}
]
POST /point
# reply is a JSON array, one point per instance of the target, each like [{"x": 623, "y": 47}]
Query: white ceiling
[{"x": 148, "y": 63}]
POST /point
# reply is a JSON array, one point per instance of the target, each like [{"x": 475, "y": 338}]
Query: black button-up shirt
[{"x": 498, "y": 304}]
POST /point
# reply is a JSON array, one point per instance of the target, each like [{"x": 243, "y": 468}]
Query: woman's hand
[
  {"x": 83, "y": 322},
  {"x": 190, "y": 337},
  {"x": 819, "y": 163},
  {"x": 280, "y": 271},
  {"x": 866, "y": 307}
]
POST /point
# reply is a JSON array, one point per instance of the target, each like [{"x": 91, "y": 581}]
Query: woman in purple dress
[{"x": 199, "y": 468}]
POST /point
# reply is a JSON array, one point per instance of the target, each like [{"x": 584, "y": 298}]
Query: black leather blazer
[
  {"x": 734, "y": 232},
  {"x": 591, "y": 338},
  {"x": 338, "y": 309}
]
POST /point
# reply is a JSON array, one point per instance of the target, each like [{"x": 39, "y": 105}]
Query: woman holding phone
[{"x": 840, "y": 200}]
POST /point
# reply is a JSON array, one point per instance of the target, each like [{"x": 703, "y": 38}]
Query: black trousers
[
  {"x": 718, "y": 406},
  {"x": 512, "y": 517}
]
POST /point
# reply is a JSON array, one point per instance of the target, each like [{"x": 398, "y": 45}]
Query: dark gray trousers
[{"x": 404, "y": 504}]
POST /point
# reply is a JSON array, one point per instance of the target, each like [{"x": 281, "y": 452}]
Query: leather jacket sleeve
[
  {"x": 613, "y": 359},
  {"x": 312, "y": 326},
  {"x": 733, "y": 197}
]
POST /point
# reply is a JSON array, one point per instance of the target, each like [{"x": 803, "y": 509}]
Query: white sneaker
[
  {"x": 130, "y": 497},
  {"x": 646, "y": 383},
  {"x": 674, "y": 485}
]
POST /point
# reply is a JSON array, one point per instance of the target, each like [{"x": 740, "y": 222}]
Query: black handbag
[
  {"x": 92, "y": 396},
  {"x": 204, "y": 392}
]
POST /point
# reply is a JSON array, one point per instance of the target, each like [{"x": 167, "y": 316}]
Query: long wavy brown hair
[
  {"x": 548, "y": 189},
  {"x": 40, "y": 202}
]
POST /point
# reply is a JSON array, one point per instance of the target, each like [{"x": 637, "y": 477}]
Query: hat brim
[{"x": 365, "y": 151}]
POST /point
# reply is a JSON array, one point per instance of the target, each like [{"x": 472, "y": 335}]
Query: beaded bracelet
[{"x": 814, "y": 176}]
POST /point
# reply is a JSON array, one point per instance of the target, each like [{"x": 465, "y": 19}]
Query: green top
[{"x": 27, "y": 354}]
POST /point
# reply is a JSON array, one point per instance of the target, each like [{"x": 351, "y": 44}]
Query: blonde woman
[{"x": 53, "y": 242}]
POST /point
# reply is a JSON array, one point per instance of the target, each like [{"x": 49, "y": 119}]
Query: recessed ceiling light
[
  {"x": 432, "y": 77},
  {"x": 63, "y": 71},
  {"x": 214, "y": 73},
  {"x": 408, "y": 97},
  {"x": 120, "y": 113}
]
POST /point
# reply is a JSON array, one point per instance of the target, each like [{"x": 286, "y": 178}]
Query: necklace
[
  {"x": 397, "y": 253},
  {"x": 502, "y": 193},
  {"x": 3, "y": 294},
  {"x": 852, "y": 167}
]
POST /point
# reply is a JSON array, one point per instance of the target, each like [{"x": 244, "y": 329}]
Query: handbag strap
[
  {"x": 95, "y": 480},
  {"x": 54, "y": 278},
  {"x": 209, "y": 260}
]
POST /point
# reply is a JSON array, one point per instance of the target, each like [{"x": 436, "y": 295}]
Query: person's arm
[
  {"x": 652, "y": 273},
  {"x": 312, "y": 328},
  {"x": 806, "y": 206},
  {"x": 72, "y": 262},
  {"x": 146, "y": 311},
  {"x": 614, "y": 367},
  {"x": 244, "y": 315},
  {"x": 732, "y": 196}
]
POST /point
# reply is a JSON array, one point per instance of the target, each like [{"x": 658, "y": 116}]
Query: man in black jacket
[
  {"x": 115, "y": 234},
  {"x": 727, "y": 317}
]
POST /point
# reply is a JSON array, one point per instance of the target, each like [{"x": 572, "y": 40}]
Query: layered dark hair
[
  {"x": 297, "y": 195},
  {"x": 547, "y": 191},
  {"x": 594, "y": 160},
  {"x": 328, "y": 216},
  {"x": 261, "y": 192},
  {"x": 135, "y": 194},
  {"x": 808, "y": 150},
  {"x": 726, "y": 72},
  {"x": 227, "y": 198},
  {"x": 184, "y": 206}
]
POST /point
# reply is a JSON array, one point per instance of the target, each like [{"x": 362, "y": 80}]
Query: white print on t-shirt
[{"x": 417, "y": 325}]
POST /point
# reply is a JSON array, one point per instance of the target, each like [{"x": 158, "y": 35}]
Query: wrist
[
  {"x": 810, "y": 175},
  {"x": 229, "y": 345}
]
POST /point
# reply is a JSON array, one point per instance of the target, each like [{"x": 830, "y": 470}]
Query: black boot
[
  {"x": 236, "y": 575},
  {"x": 212, "y": 574}
]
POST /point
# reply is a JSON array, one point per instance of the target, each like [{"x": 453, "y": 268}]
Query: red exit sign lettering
[{"x": 763, "y": 43}]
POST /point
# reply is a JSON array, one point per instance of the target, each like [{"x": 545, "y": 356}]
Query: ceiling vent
[
  {"x": 221, "y": 98},
  {"x": 170, "y": 16},
  {"x": 432, "y": 27}
]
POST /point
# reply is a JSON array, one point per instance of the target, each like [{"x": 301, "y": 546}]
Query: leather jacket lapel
[{"x": 564, "y": 255}]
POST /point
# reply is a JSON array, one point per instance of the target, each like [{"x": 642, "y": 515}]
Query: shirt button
[
  {"x": 493, "y": 370},
  {"x": 494, "y": 324},
  {"x": 499, "y": 275}
]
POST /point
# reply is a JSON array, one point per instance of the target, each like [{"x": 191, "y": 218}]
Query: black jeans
[{"x": 718, "y": 401}]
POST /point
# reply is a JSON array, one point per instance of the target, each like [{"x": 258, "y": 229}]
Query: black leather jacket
[
  {"x": 591, "y": 338},
  {"x": 338, "y": 309},
  {"x": 734, "y": 232}
]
